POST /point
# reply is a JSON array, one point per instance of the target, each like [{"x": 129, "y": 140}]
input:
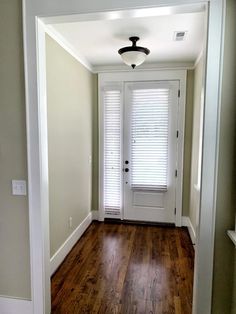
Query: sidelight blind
[
  {"x": 112, "y": 152},
  {"x": 149, "y": 138}
]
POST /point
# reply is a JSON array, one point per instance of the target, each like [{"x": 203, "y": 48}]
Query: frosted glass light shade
[{"x": 133, "y": 57}]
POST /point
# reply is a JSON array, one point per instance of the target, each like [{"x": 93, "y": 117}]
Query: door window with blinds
[
  {"x": 149, "y": 137},
  {"x": 139, "y": 150}
]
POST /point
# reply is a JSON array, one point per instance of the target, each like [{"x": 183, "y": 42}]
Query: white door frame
[
  {"x": 135, "y": 76},
  {"x": 35, "y": 11}
]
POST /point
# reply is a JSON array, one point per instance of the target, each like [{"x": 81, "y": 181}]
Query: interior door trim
[{"x": 162, "y": 75}]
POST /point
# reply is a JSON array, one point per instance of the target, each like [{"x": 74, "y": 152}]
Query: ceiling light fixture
[{"x": 133, "y": 55}]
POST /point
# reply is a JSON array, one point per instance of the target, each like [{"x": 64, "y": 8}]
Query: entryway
[{"x": 141, "y": 131}]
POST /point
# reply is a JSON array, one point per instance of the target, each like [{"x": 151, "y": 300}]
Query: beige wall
[
  {"x": 71, "y": 94},
  {"x": 188, "y": 142},
  {"x": 95, "y": 182},
  {"x": 194, "y": 181},
  {"x": 14, "y": 237},
  {"x": 14, "y": 229},
  {"x": 226, "y": 189}
]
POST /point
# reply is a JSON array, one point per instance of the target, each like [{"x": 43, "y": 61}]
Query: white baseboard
[
  {"x": 15, "y": 306},
  {"x": 66, "y": 247},
  {"x": 95, "y": 214},
  {"x": 186, "y": 222}
]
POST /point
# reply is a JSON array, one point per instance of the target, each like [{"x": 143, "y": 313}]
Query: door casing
[{"x": 120, "y": 78}]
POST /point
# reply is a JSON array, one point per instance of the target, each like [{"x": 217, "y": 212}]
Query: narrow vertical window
[{"x": 112, "y": 152}]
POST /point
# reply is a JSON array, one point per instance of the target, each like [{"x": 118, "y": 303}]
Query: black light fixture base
[{"x": 134, "y": 40}]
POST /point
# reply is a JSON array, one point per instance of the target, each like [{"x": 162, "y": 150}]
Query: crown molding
[
  {"x": 144, "y": 67},
  {"x": 54, "y": 34},
  {"x": 198, "y": 58}
]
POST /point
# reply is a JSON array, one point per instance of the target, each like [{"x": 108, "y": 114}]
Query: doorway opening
[{"x": 116, "y": 69}]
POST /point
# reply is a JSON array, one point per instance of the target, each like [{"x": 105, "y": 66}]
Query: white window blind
[
  {"x": 149, "y": 138},
  {"x": 112, "y": 152}
]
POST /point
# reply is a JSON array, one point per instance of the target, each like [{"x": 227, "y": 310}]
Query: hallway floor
[{"x": 126, "y": 269}]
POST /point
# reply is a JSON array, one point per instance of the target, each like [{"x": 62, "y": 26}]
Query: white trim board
[
  {"x": 13, "y": 306},
  {"x": 232, "y": 236},
  {"x": 66, "y": 247},
  {"x": 144, "y": 67},
  {"x": 159, "y": 75},
  {"x": 169, "y": 7},
  {"x": 186, "y": 222}
]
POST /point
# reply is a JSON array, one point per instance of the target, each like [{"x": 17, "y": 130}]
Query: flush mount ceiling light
[{"x": 133, "y": 55}]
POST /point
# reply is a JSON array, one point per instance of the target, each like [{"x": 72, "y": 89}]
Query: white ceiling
[{"x": 97, "y": 42}]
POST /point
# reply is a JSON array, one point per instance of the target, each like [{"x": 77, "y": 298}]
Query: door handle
[{"x": 126, "y": 169}]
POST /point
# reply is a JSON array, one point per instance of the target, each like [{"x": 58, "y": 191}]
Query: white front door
[
  {"x": 139, "y": 123},
  {"x": 150, "y": 150}
]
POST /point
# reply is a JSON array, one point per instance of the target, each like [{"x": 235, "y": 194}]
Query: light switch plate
[{"x": 19, "y": 187}]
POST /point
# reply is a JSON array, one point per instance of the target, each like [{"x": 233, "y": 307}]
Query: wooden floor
[{"x": 117, "y": 268}]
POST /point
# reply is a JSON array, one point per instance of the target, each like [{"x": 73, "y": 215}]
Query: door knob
[
  {"x": 126, "y": 169},
  {"x": 126, "y": 162}
]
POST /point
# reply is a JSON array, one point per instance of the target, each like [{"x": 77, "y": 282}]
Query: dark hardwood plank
[{"x": 126, "y": 269}]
